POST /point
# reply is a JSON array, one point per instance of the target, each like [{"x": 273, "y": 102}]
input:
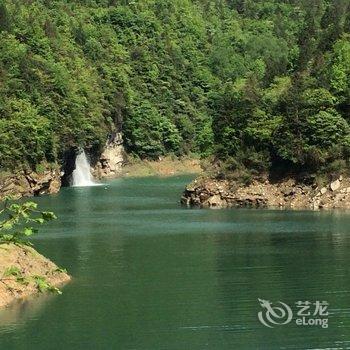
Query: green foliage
[
  {"x": 44, "y": 286},
  {"x": 40, "y": 282},
  {"x": 61, "y": 270},
  {"x": 319, "y": 139},
  {"x": 327, "y": 130},
  {"x": 290, "y": 106},
  {"x": 18, "y": 221},
  {"x": 340, "y": 70},
  {"x": 150, "y": 134},
  {"x": 14, "y": 271},
  {"x": 237, "y": 79},
  {"x": 24, "y": 134}
]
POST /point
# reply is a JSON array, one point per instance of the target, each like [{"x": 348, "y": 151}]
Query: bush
[
  {"x": 17, "y": 221},
  {"x": 24, "y": 135},
  {"x": 327, "y": 129},
  {"x": 149, "y": 134}
]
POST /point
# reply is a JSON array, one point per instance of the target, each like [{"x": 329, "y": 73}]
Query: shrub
[{"x": 18, "y": 221}]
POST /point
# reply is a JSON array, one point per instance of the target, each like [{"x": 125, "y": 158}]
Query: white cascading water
[{"x": 82, "y": 174}]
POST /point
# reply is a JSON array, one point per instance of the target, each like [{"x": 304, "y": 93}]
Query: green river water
[{"x": 149, "y": 274}]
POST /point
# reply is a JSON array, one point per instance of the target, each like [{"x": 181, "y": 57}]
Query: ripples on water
[{"x": 150, "y": 274}]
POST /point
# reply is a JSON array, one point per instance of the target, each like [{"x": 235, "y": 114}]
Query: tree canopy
[{"x": 256, "y": 83}]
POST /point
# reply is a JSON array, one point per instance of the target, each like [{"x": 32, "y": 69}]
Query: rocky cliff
[
  {"x": 29, "y": 183},
  {"x": 287, "y": 193},
  {"x": 25, "y": 183},
  {"x": 112, "y": 158}
]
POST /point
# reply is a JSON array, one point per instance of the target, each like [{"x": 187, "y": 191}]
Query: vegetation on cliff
[{"x": 257, "y": 84}]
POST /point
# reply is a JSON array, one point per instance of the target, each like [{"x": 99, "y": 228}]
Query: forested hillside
[{"x": 256, "y": 84}]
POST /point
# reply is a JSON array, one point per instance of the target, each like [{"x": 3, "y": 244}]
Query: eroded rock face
[
  {"x": 112, "y": 158},
  {"x": 29, "y": 183},
  {"x": 287, "y": 193}
]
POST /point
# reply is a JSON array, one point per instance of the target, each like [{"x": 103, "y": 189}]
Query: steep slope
[{"x": 260, "y": 85}]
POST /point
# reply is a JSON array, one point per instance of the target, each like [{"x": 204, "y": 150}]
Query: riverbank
[
  {"x": 286, "y": 193},
  {"x": 28, "y": 183},
  {"x": 24, "y": 272},
  {"x": 166, "y": 166}
]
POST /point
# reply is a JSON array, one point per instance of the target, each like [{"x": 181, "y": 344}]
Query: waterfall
[{"x": 82, "y": 174}]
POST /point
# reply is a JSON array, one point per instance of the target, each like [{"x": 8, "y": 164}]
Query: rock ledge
[{"x": 288, "y": 193}]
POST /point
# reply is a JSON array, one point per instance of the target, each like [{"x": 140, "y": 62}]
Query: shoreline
[
  {"x": 167, "y": 166},
  {"x": 288, "y": 193},
  {"x": 24, "y": 183},
  {"x": 24, "y": 272}
]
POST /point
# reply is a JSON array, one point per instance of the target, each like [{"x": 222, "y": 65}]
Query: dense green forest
[{"x": 253, "y": 84}]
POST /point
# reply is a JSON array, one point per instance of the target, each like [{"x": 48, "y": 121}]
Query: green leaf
[
  {"x": 48, "y": 215},
  {"x": 12, "y": 271},
  {"x": 7, "y": 225},
  {"x": 14, "y": 228},
  {"x": 28, "y": 231}
]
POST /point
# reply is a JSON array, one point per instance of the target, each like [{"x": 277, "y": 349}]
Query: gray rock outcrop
[{"x": 112, "y": 158}]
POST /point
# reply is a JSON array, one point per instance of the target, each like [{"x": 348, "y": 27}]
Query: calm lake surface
[{"x": 151, "y": 275}]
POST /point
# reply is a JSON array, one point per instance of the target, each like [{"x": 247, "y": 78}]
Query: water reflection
[{"x": 149, "y": 274}]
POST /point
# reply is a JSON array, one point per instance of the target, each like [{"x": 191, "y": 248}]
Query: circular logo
[{"x": 272, "y": 315}]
